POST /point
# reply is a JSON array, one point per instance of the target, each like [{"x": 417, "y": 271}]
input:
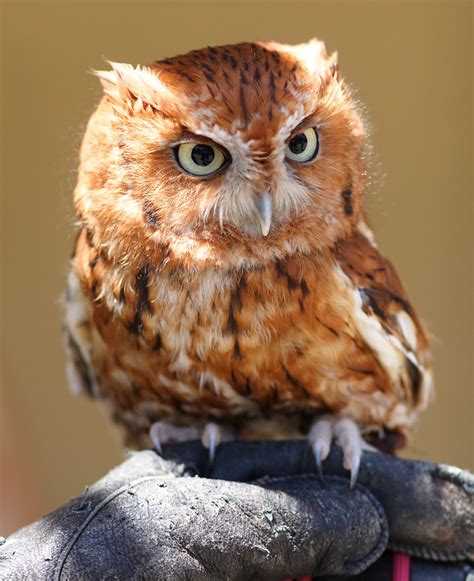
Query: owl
[{"x": 225, "y": 282}]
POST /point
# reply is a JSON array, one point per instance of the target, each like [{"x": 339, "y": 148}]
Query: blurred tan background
[{"x": 411, "y": 64}]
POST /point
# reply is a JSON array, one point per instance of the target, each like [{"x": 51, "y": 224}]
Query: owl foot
[
  {"x": 164, "y": 433},
  {"x": 347, "y": 434},
  {"x": 213, "y": 435}
]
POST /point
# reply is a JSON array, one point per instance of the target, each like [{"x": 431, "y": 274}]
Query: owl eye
[
  {"x": 200, "y": 159},
  {"x": 304, "y": 146}
]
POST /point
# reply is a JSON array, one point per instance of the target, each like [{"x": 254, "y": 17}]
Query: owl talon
[
  {"x": 154, "y": 434},
  {"x": 352, "y": 463},
  {"x": 213, "y": 435},
  {"x": 319, "y": 462},
  {"x": 211, "y": 438},
  {"x": 355, "y": 472},
  {"x": 320, "y": 436},
  {"x": 347, "y": 435}
]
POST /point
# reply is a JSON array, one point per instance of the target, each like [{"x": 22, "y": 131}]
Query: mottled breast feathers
[{"x": 265, "y": 349}]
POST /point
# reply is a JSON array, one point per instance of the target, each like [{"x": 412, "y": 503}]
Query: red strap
[{"x": 401, "y": 567}]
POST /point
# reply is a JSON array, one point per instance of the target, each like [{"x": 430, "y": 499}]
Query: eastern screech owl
[{"x": 224, "y": 278}]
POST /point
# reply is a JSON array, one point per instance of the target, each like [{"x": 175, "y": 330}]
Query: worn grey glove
[{"x": 258, "y": 512}]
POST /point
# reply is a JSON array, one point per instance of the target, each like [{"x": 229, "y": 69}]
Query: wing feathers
[{"x": 386, "y": 320}]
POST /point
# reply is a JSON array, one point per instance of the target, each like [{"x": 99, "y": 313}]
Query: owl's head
[{"x": 254, "y": 149}]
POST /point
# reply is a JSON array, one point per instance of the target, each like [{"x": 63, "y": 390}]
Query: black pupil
[
  {"x": 298, "y": 144},
  {"x": 202, "y": 154}
]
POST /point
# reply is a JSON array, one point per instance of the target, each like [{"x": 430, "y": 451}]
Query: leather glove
[{"x": 258, "y": 511}]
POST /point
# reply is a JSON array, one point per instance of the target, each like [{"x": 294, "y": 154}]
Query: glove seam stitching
[{"x": 430, "y": 553}]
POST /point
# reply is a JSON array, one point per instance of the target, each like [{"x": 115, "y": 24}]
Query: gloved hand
[{"x": 258, "y": 512}]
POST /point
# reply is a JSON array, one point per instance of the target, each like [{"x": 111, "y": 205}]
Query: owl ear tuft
[
  {"x": 126, "y": 84},
  {"x": 334, "y": 66},
  {"x": 312, "y": 55}
]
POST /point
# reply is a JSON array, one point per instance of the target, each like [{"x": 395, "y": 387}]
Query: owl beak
[{"x": 263, "y": 203}]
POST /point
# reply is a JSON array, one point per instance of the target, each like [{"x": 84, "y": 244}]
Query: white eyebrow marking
[{"x": 292, "y": 121}]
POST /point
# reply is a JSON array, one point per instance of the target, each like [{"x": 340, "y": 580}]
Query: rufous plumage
[{"x": 225, "y": 281}]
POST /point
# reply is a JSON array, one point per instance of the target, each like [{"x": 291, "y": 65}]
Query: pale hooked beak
[{"x": 263, "y": 203}]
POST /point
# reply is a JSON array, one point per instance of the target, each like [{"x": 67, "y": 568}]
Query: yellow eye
[
  {"x": 304, "y": 146},
  {"x": 200, "y": 159}
]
